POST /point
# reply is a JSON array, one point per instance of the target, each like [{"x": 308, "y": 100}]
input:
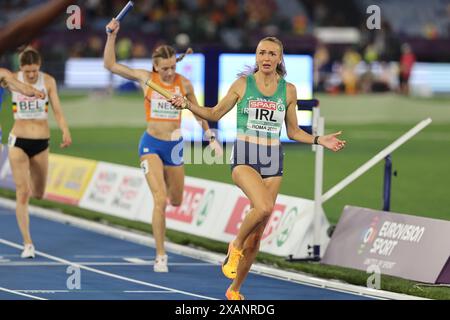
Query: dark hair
[
  {"x": 281, "y": 67},
  {"x": 29, "y": 56},
  {"x": 166, "y": 52}
]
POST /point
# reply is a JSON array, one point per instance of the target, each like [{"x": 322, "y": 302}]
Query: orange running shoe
[
  {"x": 233, "y": 295},
  {"x": 231, "y": 262}
]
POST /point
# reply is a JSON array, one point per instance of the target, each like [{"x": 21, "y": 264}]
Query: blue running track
[{"x": 116, "y": 269}]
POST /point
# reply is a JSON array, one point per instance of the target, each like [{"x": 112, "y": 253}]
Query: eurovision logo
[
  {"x": 382, "y": 239},
  {"x": 368, "y": 235}
]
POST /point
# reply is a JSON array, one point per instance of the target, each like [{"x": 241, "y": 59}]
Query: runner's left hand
[
  {"x": 332, "y": 142},
  {"x": 67, "y": 140}
]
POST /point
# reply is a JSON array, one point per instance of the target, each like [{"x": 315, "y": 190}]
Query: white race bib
[
  {"x": 27, "y": 108},
  {"x": 161, "y": 109},
  {"x": 265, "y": 116},
  {"x": 31, "y": 109}
]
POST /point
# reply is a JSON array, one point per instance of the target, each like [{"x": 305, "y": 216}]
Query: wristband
[{"x": 316, "y": 140}]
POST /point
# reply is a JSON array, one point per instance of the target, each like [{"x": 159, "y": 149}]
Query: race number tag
[
  {"x": 163, "y": 110},
  {"x": 144, "y": 166},
  {"x": 11, "y": 140},
  {"x": 265, "y": 116}
]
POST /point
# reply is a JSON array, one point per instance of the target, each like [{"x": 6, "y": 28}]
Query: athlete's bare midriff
[
  {"x": 31, "y": 129},
  {"x": 164, "y": 130}
]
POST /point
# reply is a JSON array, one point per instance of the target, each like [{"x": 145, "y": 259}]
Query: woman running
[
  {"x": 264, "y": 100},
  {"x": 7, "y": 81},
  {"x": 160, "y": 148},
  {"x": 29, "y": 139}
]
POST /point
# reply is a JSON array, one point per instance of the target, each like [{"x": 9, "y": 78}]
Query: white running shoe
[
  {"x": 161, "y": 264},
  {"x": 28, "y": 251}
]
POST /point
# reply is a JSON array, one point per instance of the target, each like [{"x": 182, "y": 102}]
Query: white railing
[{"x": 319, "y": 199}]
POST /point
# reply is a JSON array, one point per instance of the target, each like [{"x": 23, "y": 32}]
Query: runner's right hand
[{"x": 114, "y": 25}]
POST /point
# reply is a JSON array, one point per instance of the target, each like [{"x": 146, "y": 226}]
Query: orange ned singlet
[{"x": 156, "y": 106}]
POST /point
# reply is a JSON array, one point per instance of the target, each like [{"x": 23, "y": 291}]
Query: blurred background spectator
[
  {"x": 322, "y": 66},
  {"x": 350, "y": 61},
  {"x": 407, "y": 61},
  {"x": 348, "y": 57}
]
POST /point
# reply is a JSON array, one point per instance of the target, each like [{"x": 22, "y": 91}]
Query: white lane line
[
  {"x": 47, "y": 291},
  {"x": 21, "y": 294},
  {"x": 49, "y": 264},
  {"x": 43, "y": 291},
  {"x": 137, "y": 260},
  {"x": 94, "y": 256},
  {"x": 108, "y": 274},
  {"x": 146, "y": 291}
]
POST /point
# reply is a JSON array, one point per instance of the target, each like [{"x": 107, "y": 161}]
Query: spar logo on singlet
[
  {"x": 263, "y": 115},
  {"x": 192, "y": 201},
  {"x": 264, "y": 110},
  {"x": 278, "y": 228}
]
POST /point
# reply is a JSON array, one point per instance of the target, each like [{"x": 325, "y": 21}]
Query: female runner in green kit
[{"x": 264, "y": 101}]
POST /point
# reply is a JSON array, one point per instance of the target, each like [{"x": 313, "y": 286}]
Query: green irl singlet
[{"x": 258, "y": 115}]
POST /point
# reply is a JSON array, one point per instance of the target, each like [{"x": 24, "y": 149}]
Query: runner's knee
[
  {"x": 23, "y": 194},
  {"x": 176, "y": 200},
  {"x": 160, "y": 200},
  {"x": 38, "y": 194},
  {"x": 264, "y": 208}
]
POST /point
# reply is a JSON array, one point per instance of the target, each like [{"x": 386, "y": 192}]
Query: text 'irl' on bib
[{"x": 265, "y": 116}]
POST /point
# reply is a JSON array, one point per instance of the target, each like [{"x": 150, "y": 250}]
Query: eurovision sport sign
[{"x": 401, "y": 245}]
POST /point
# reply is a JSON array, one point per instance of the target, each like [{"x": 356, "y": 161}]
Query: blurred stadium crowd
[{"x": 361, "y": 61}]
